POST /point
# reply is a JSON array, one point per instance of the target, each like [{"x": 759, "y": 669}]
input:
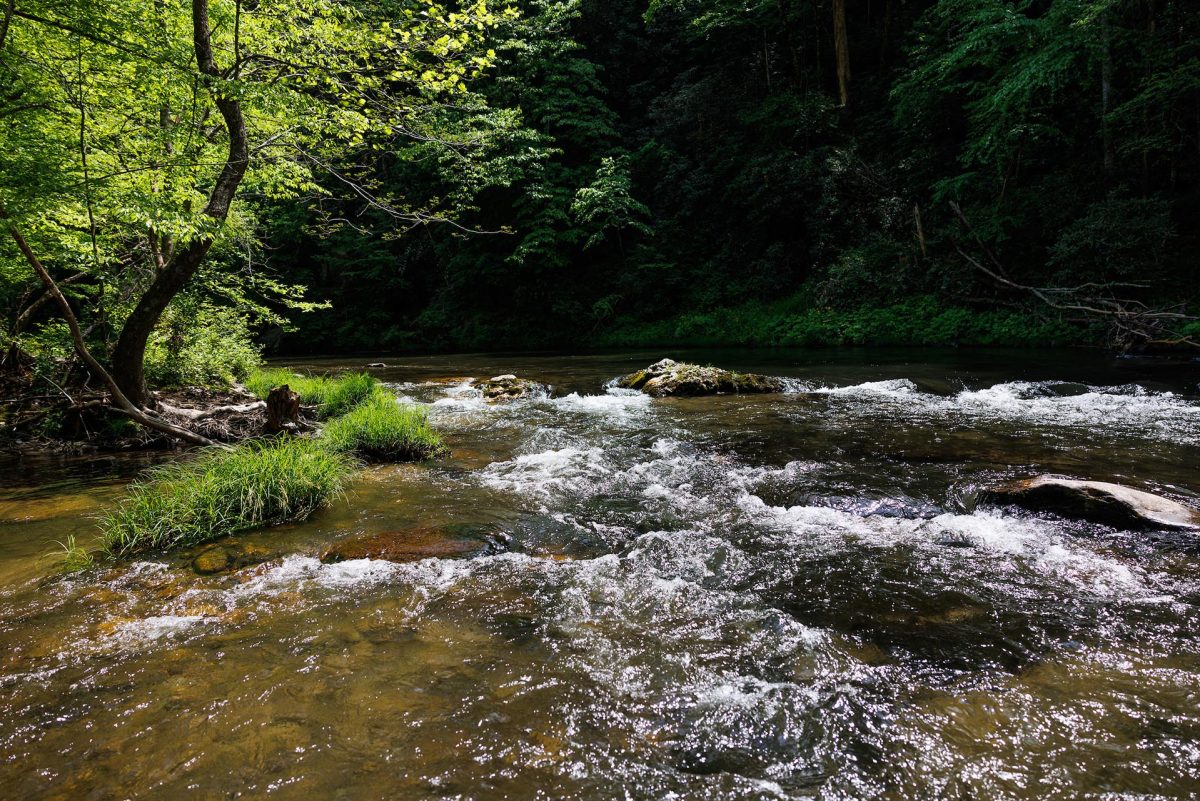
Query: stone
[
  {"x": 409, "y": 545},
  {"x": 509, "y": 387},
  {"x": 225, "y": 556},
  {"x": 668, "y": 377},
  {"x": 211, "y": 560},
  {"x": 1096, "y": 501}
]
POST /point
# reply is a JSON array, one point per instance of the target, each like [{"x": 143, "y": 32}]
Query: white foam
[
  {"x": 1126, "y": 409},
  {"x": 548, "y": 472},
  {"x": 615, "y": 402},
  {"x": 157, "y": 627}
]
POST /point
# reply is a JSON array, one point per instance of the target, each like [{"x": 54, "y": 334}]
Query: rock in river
[
  {"x": 669, "y": 377},
  {"x": 1097, "y": 501},
  {"x": 410, "y": 545},
  {"x": 509, "y": 387},
  {"x": 228, "y": 555}
]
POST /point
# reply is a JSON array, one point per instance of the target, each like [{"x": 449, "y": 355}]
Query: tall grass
[
  {"x": 332, "y": 395},
  {"x": 222, "y": 492},
  {"x": 225, "y": 491},
  {"x": 383, "y": 429}
]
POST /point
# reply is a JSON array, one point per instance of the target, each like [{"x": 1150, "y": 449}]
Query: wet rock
[
  {"x": 410, "y": 545},
  {"x": 226, "y": 556},
  {"x": 509, "y": 387},
  {"x": 1096, "y": 501},
  {"x": 669, "y": 377}
]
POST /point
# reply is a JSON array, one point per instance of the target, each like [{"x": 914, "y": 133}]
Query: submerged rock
[
  {"x": 1097, "y": 501},
  {"x": 509, "y": 387},
  {"x": 228, "y": 556},
  {"x": 669, "y": 377},
  {"x": 409, "y": 545}
]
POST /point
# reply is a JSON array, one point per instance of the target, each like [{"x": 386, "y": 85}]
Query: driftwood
[
  {"x": 196, "y": 415},
  {"x": 1132, "y": 322}
]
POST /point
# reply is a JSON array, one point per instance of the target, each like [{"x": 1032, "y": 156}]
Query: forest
[{"x": 388, "y": 175}]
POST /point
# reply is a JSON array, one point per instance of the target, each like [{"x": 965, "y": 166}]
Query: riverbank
[{"x": 795, "y": 321}]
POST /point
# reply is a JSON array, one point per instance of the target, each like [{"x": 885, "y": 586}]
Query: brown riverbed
[{"x": 778, "y": 596}]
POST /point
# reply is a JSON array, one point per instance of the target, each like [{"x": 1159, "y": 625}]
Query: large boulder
[
  {"x": 1097, "y": 501},
  {"x": 409, "y": 545},
  {"x": 509, "y": 387},
  {"x": 669, "y": 377}
]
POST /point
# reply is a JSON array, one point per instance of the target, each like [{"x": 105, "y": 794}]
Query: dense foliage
[
  {"x": 574, "y": 172},
  {"x": 684, "y": 157},
  {"x": 142, "y": 142}
]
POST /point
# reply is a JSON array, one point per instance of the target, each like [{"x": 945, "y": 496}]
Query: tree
[{"x": 140, "y": 134}]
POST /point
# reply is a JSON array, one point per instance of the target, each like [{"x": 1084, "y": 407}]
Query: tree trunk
[
  {"x": 283, "y": 410},
  {"x": 841, "y": 46},
  {"x": 119, "y": 402},
  {"x": 129, "y": 355},
  {"x": 1106, "y": 79}
]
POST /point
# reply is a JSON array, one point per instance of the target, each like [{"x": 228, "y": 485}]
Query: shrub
[
  {"x": 383, "y": 429},
  {"x": 222, "y": 492},
  {"x": 200, "y": 344},
  {"x": 333, "y": 396},
  {"x": 794, "y": 323}
]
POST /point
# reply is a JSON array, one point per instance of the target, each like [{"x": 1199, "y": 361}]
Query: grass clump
[
  {"x": 74, "y": 557},
  {"x": 383, "y": 429},
  {"x": 223, "y": 492},
  {"x": 332, "y": 395}
]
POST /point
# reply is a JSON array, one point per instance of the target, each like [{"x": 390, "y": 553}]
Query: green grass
[
  {"x": 221, "y": 492},
  {"x": 263, "y": 483},
  {"x": 332, "y": 395},
  {"x": 382, "y": 429},
  {"x": 74, "y": 557}
]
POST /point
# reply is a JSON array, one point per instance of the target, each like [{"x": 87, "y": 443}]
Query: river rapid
[{"x": 738, "y": 597}]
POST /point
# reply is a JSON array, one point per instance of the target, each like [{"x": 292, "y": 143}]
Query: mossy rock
[
  {"x": 226, "y": 556},
  {"x": 509, "y": 387},
  {"x": 667, "y": 378}
]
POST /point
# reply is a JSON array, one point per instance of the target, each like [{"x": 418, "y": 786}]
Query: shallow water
[{"x": 712, "y": 598}]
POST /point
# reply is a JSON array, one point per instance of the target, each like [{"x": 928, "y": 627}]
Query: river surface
[{"x": 744, "y": 597}]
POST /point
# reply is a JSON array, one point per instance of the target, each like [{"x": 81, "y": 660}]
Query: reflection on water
[{"x": 758, "y": 597}]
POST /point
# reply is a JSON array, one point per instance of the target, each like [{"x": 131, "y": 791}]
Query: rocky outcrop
[
  {"x": 509, "y": 387},
  {"x": 668, "y": 377},
  {"x": 409, "y": 545},
  {"x": 1097, "y": 501}
]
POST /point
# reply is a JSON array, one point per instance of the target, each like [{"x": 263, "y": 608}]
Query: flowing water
[{"x": 749, "y": 597}]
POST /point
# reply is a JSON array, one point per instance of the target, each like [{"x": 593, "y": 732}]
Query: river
[{"x": 740, "y": 597}]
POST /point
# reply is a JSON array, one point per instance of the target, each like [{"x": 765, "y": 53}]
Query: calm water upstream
[{"x": 713, "y": 598}]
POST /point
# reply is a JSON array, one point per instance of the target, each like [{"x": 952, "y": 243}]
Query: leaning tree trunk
[{"x": 128, "y": 358}]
